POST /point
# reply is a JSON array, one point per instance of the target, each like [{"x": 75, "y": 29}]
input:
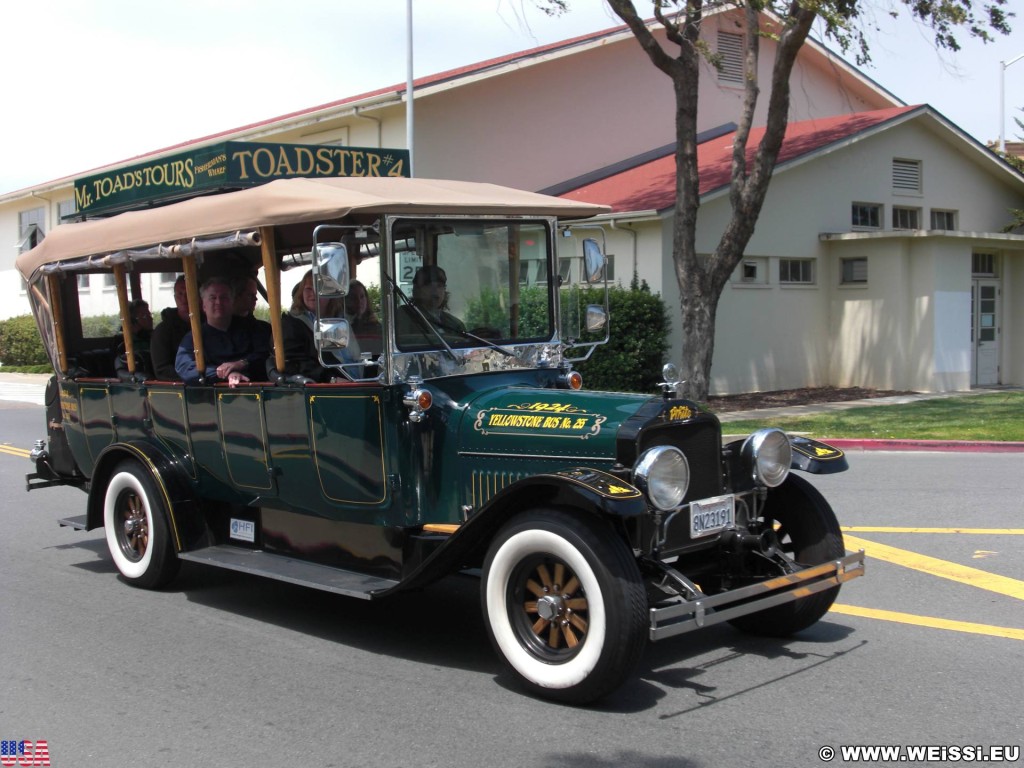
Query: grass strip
[{"x": 997, "y": 417}]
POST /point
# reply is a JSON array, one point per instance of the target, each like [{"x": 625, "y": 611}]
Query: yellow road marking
[
  {"x": 975, "y": 577},
  {"x": 897, "y": 529},
  {"x": 23, "y": 452},
  {"x": 929, "y": 621}
]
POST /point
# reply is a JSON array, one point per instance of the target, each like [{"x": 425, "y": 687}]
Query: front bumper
[{"x": 687, "y": 615}]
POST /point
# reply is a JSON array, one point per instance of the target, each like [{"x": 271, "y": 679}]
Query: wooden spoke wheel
[
  {"x": 137, "y": 528},
  {"x": 565, "y": 604}
]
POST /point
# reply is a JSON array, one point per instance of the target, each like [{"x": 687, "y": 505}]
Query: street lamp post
[
  {"x": 1003, "y": 66},
  {"x": 410, "y": 121}
]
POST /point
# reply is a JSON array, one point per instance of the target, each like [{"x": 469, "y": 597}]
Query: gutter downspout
[
  {"x": 358, "y": 112},
  {"x": 49, "y": 205},
  {"x": 613, "y": 224}
]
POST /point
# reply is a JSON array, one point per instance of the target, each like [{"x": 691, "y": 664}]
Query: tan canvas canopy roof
[{"x": 288, "y": 201}]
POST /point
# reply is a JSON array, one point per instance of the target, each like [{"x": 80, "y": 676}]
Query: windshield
[{"x": 470, "y": 284}]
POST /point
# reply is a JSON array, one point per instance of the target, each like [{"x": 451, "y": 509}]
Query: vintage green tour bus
[{"x": 443, "y": 442}]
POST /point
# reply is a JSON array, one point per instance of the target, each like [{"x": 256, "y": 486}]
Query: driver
[{"x": 430, "y": 296}]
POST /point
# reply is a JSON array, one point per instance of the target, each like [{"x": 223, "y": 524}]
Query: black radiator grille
[{"x": 701, "y": 443}]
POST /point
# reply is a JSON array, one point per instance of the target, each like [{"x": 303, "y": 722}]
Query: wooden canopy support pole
[
  {"x": 273, "y": 276},
  {"x": 195, "y": 308},
  {"x": 126, "y": 320},
  {"x": 57, "y": 311}
]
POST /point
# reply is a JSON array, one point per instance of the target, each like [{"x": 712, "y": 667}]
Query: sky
[{"x": 87, "y": 83}]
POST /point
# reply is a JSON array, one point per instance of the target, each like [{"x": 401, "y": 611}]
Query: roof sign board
[{"x": 228, "y": 165}]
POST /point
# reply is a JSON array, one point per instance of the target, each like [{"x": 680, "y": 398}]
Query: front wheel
[
  {"x": 137, "y": 530},
  {"x": 564, "y": 603},
  {"x": 808, "y": 534}
]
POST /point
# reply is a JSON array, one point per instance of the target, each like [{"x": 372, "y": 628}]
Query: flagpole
[{"x": 409, "y": 121}]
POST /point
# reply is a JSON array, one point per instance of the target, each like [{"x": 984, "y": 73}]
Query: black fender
[
  {"x": 816, "y": 457},
  {"x": 809, "y": 455},
  {"x": 590, "y": 491},
  {"x": 188, "y": 528}
]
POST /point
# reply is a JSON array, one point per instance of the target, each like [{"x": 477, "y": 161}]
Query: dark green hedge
[
  {"x": 20, "y": 343},
  {"x": 631, "y": 360}
]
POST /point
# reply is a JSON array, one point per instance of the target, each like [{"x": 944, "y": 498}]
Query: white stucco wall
[
  {"x": 546, "y": 123},
  {"x": 1013, "y": 319},
  {"x": 909, "y": 326}
]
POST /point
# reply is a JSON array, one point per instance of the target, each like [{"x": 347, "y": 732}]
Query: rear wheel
[
  {"x": 565, "y": 605},
  {"x": 808, "y": 534},
  {"x": 137, "y": 530}
]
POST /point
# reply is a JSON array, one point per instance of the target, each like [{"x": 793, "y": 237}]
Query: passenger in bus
[
  {"x": 141, "y": 320},
  {"x": 232, "y": 347},
  {"x": 246, "y": 294},
  {"x": 169, "y": 332},
  {"x": 363, "y": 320},
  {"x": 430, "y": 296},
  {"x": 300, "y": 350}
]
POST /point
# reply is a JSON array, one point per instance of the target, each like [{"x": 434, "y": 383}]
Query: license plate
[{"x": 709, "y": 516}]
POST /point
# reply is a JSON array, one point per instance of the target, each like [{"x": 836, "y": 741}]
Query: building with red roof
[{"x": 879, "y": 258}]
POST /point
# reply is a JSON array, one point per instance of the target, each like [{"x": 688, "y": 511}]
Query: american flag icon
[{"x": 22, "y": 752}]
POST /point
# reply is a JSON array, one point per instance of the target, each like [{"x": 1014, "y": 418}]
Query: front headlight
[
  {"x": 768, "y": 454},
  {"x": 663, "y": 474}
]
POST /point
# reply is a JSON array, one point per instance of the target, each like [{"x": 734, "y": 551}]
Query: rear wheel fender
[{"x": 188, "y": 529}]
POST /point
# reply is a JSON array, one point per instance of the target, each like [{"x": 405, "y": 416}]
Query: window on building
[
  {"x": 906, "y": 218},
  {"x": 753, "y": 270},
  {"x": 83, "y": 283},
  {"x": 796, "y": 271},
  {"x": 30, "y": 228},
  {"x": 109, "y": 283},
  {"x": 866, "y": 215},
  {"x": 30, "y": 233},
  {"x": 65, "y": 208},
  {"x": 564, "y": 269},
  {"x": 168, "y": 278},
  {"x": 906, "y": 176},
  {"x": 854, "y": 271},
  {"x": 983, "y": 265},
  {"x": 943, "y": 219},
  {"x": 730, "y": 61}
]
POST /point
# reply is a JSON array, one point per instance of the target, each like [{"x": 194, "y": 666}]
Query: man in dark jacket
[
  {"x": 232, "y": 346},
  {"x": 163, "y": 344}
]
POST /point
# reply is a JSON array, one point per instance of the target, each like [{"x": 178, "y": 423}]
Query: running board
[
  {"x": 284, "y": 568},
  {"x": 78, "y": 523}
]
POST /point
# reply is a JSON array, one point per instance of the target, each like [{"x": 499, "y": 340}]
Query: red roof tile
[{"x": 652, "y": 185}]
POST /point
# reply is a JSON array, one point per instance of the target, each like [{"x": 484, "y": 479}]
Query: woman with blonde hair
[
  {"x": 300, "y": 351},
  {"x": 363, "y": 320}
]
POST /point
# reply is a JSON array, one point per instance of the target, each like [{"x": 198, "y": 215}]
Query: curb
[
  {"x": 963, "y": 446},
  {"x": 848, "y": 444}
]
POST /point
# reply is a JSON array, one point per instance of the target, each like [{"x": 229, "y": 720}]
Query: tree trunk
[{"x": 701, "y": 281}]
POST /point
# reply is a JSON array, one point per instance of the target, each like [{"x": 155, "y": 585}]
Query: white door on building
[{"x": 985, "y": 332}]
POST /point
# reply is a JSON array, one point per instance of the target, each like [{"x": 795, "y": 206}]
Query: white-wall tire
[
  {"x": 564, "y": 605},
  {"x": 136, "y": 528}
]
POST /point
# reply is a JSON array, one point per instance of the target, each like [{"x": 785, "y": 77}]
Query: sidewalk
[
  {"x": 881, "y": 445},
  {"x": 23, "y": 387}
]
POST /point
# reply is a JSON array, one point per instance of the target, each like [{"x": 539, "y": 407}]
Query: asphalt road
[{"x": 229, "y": 670}]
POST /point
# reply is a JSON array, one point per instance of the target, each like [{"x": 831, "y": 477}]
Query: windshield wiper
[
  {"x": 420, "y": 318},
  {"x": 439, "y": 323}
]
